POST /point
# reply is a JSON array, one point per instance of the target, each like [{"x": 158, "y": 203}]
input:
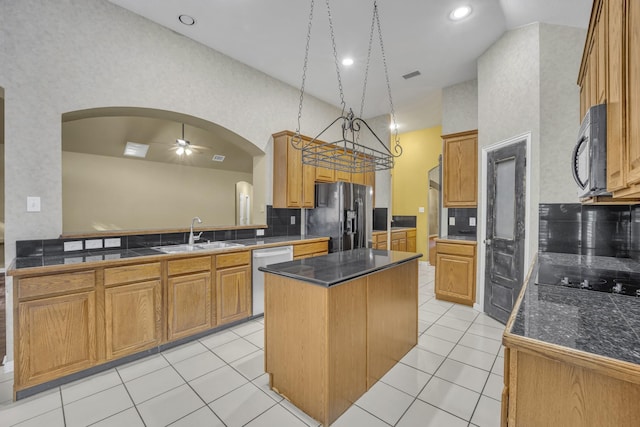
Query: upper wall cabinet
[
  {"x": 610, "y": 73},
  {"x": 293, "y": 182},
  {"x": 460, "y": 169}
]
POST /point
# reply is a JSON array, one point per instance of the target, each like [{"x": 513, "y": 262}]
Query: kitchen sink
[{"x": 176, "y": 249}]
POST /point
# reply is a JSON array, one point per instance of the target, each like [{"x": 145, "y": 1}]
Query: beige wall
[
  {"x": 62, "y": 56},
  {"x": 100, "y": 192}
]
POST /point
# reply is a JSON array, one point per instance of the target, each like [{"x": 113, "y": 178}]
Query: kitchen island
[
  {"x": 335, "y": 324},
  {"x": 572, "y": 356}
]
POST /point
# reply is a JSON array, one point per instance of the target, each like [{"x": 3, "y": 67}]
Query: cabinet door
[
  {"x": 455, "y": 278},
  {"x": 411, "y": 242},
  {"x": 233, "y": 294},
  {"x": 602, "y": 54},
  {"x": 460, "y": 162},
  {"x": 308, "y": 186},
  {"x": 402, "y": 244},
  {"x": 57, "y": 337},
  {"x": 324, "y": 174},
  {"x": 132, "y": 317},
  {"x": 395, "y": 244},
  {"x": 616, "y": 178},
  {"x": 189, "y": 305},
  {"x": 633, "y": 92}
]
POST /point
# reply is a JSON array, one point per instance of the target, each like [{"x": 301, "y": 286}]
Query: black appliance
[{"x": 589, "y": 159}]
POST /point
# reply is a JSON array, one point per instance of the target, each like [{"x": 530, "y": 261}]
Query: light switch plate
[
  {"x": 260, "y": 232},
  {"x": 75, "y": 245},
  {"x": 93, "y": 244},
  {"x": 452, "y": 220},
  {"x": 421, "y": 209},
  {"x": 112, "y": 243},
  {"x": 293, "y": 220},
  {"x": 472, "y": 221},
  {"x": 33, "y": 204}
]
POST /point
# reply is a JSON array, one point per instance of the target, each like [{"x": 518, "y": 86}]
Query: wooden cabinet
[
  {"x": 456, "y": 271},
  {"x": 379, "y": 240},
  {"x": 189, "y": 297},
  {"x": 56, "y": 334},
  {"x": 133, "y": 309},
  {"x": 460, "y": 169},
  {"x": 610, "y": 73},
  {"x": 307, "y": 250},
  {"x": 411, "y": 240},
  {"x": 233, "y": 287},
  {"x": 293, "y": 182},
  {"x": 399, "y": 241}
]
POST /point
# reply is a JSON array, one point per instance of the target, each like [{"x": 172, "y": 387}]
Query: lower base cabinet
[
  {"x": 456, "y": 271},
  {"x": 132, "y": 318},
  {"x": 189, "y": 305},
  {"x": 57, "y": 337},
  {"x": 233, "y": 288}
]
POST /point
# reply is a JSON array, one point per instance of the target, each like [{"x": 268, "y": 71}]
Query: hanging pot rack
[{"x": 348, "y": 154}]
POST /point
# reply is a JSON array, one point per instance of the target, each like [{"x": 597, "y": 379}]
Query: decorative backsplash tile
[
  {"x": 403, "y": 221},
  {"x": 463, "y": 218}
]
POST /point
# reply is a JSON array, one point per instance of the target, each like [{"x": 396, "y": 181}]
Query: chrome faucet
[{"x": 193, "y": 238}]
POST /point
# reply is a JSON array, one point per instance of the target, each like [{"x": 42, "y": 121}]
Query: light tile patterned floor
[{"x": 453, "y": 377}]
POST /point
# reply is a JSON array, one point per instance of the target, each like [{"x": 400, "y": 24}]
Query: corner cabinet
[
  {"x": 456, "y": 271},
  {"x": 460, "y": 169},
  {"x": 610, "y": 73}
]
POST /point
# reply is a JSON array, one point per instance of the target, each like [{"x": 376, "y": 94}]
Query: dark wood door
[{"x": 505, "y": 225}]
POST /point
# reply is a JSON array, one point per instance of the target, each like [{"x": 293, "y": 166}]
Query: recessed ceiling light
[
  {"x": 460, "y": 13},
  {"x": 133, "y": 149},
  {"x": 347, "y": 62},
  {"x": 187, "y": 20}
]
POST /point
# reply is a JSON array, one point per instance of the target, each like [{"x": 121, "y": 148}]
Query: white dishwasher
[{"x": 262, "y": 257}]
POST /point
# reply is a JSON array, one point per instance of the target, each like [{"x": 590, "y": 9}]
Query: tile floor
[{"x": 453, "y": 377}]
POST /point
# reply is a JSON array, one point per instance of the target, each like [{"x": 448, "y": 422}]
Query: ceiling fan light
[
  {"x": 180, "y": 151},
  {"x": 188, "y": 151}
]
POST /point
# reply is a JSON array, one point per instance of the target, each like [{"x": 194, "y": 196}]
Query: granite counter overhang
[
  {"x": 582, "y": 325},
  {"x": 339, "y": 267},
  {"x": 102, "y": 258}
]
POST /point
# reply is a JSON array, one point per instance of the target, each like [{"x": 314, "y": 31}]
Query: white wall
[
  {"x": 460, "y": 107},
  {"x": 66, "y": 55}
]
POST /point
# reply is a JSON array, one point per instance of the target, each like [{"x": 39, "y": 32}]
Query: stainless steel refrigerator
[{"x": 344, "y": 212}]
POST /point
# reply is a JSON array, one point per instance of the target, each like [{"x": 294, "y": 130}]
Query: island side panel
[
  {"x": 347, "y": 345},
  {"x": 296, "y": 342},
  {"x": 392, "y": 319}
]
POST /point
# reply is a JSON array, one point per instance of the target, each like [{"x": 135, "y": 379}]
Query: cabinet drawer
[
  {"x": 396, "y": 235},
  {"x": 30, "y": 287},
  {"x": 233, "y": 259},
  {"x": 454, "y": 249},
  {"x": 309, "y": 248},
  {"x": 411, "y": 234},
  {"x": 131, "y": 273},
  {"x": 189, "y": 265}
]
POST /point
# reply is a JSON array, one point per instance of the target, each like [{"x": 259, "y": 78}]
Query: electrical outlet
[
  {"x": 452, "y": 220},
  {"x": 93, "y": 244},
  {"x": 293, "y": 220},
  {"x": 472, "y": 221},
  {"x": 421, "y": 209},
  {"x": 33, "y": 204},
  {"x": 112, "y": 243},
  {"x": 260, "y": 232},
  {"x": 75, "y": 245}
]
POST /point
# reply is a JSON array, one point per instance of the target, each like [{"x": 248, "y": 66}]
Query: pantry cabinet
[
  {"x": 460, "y": 169},
  {"x": 610, "y": 73},
  {"x": 456, "y": 271}
]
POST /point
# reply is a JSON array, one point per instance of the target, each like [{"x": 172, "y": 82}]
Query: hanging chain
[
  {"x": 335, "y": 57},
  {"x": 366, "y": 69},
  {"x": 297, "y": 137},
  {"x": 397, "y": 146}
]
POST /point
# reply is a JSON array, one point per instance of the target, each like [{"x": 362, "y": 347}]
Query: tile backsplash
[
  {"x": 403, "y": 221},
  {"x": 590, "y": 230},
  {"x": 462, "y": 222}
]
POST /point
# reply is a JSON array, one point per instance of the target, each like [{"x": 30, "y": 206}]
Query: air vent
[
  {"x": 411, "y": 75},
  {"x": 218, "y": 158},
  {"x": 133, "y": 149}
]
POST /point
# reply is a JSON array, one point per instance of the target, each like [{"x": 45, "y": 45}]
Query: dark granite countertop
[
  {"x": 463, "y": 238},
  {"x": 598, "y": 323},
  {"x": 338, "y": 267},
  {"x": 90, "y": 256}
]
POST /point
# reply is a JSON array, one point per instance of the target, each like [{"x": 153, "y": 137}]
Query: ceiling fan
[{"x": 183, "y": 147}]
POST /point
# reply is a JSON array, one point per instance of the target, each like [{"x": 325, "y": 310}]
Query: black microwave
[{"x": 589, "y": 159}]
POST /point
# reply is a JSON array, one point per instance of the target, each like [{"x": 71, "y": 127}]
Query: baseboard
[{"x": 8, "y": 366}]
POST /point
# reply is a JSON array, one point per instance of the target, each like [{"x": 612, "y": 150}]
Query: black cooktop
[{"x": 580, "y": 277}]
